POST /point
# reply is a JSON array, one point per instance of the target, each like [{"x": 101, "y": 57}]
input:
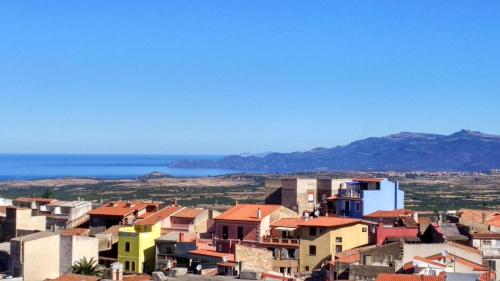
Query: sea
[{"x": 100, "y": 166}]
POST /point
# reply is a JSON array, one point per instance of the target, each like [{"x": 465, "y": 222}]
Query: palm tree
[{"x": 85, "y": 267}]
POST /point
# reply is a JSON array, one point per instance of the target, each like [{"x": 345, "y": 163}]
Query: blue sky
[{"x": 217, "y": 77}]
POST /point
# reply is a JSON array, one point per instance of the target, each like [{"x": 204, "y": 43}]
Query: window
[
  {"x": 240, "y": 232},
  {"x": 127, "y": 246},
  {"x": 312, "y": 250},
  {"x": 307, "y": 268},
  {"x": 338, "y": 239},
  {"x": 133, "y": 266},
  {"x": 225, "y": 232},
  {"x": 127, "y": 265},
  {"x": 357, "y": 205},
  {"x": 486, "y": 242},
  {"x": 338, "y": 248},
  {"x": 310, "y": 197},
  {"x": 312, "y": 231},
  {"x": 364, "y": 229}
]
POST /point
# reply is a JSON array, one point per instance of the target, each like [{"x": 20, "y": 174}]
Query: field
[{"x": 423, "y": 191}]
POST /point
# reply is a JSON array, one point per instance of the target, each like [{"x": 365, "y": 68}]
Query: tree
[
  {"x": 85, "y": 267},
  {"x": 47, "y": 194}
]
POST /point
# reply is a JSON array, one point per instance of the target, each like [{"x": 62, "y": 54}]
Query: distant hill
[{"x": 464, "y": 150}]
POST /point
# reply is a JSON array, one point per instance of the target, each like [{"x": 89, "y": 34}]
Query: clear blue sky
[{"x": 242, "y": 76}]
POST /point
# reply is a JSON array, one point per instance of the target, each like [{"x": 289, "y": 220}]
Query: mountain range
[{"x": 464, "y": 150}]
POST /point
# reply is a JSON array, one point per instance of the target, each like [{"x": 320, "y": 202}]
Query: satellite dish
[
  {"x": 444, "y": 253},
  {"x": 225, "y": 259},
  {"x": 316, "y": 213},
  {"x": 199, "y": 267}
]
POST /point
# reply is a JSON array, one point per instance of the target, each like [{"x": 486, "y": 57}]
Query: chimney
[
  {"x": 235, "y": 202},
  {"x": 116, "y": 271},
  {"x": 259, "y": 213}
]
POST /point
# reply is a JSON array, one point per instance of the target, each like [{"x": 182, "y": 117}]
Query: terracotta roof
[
  {"x": 333, "y": 197},
  {"x": 328, "y": 222},
  {"x": 468, "y": 216},
  {"x": 246, "y": 212},
  {"x": 368, "y": 179},
  {"x": 137, "y": 277},
  {"x": 210, "y": 253},
  {"x": 429, "y": 261},
  {"x": 287, "y": 222},
  {"x": 75, "y": 277},
  {"x": 381, "y": 214},
  {"x": 485, "y": 235},
  {"x": 76, "y": 232},
  {"x": 474, "y": 266},
  {"x": 34, "y": 199},
  {"x": 189, "y": 213},
  {"x": 408, "y": 277},
  {"x": 494, "y": 221},
  {"x": 159, "y": 216},
  {"x": 120, "y": 209}
]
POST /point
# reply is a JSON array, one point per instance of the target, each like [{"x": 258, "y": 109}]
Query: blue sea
[{"x": 43, "y": 166}]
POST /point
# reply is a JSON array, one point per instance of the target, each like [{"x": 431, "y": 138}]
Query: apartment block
[
  {"x": 46, "y": 254},
  {"x": 20, "y": 221}
]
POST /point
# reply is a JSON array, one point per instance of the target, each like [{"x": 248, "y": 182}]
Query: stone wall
[{"x": 254, "y": 259}]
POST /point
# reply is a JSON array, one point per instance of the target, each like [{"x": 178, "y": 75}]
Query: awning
[{"x": 285, "y": 228}]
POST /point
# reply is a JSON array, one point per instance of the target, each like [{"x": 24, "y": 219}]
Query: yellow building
[
  {"x": 324, "y": 236},
  {"x": 136, "y": 243}
]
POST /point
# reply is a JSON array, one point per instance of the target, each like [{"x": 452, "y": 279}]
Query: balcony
[
  {"x": 349, "y": 193},
  {"x": 280, "y": 241}
]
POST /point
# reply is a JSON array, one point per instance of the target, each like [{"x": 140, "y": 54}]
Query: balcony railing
[{"x": 280, "y": 241}]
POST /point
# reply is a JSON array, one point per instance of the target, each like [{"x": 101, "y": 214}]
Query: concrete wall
[
  {"x": 74, "y": 248},
  {"x": 273, "y": 192},
  {"x": 36, "y": 259},
  {"x": 296, "y": 192}
]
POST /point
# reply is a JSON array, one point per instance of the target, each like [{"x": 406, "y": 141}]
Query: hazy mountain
[{"x": 461, "y": 151}]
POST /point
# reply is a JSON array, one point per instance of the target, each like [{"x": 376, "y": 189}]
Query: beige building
[
  {"x": 323, "y": 237},
  {"x": 46, "y": 254},
  {"x": 19, "y": 222}
]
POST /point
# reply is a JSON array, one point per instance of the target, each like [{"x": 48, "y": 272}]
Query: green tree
[
  {"x": 48, "y": 193},
  {"x": 85, "y": 267}
]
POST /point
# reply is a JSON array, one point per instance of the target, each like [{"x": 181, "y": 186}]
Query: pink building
[
  {"x": 246, "y": 224},
  {"x": 395, "y": 225}
]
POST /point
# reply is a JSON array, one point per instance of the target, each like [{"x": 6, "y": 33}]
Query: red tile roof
[
  {"x": 137, "y": 277},
  {"x": 159, "y": 216},
  {"x": 407, "y": 277},
  {"x": 246, "y": 212},
  {"x": 287, "y": 222},
  {"x": 368, "y": 179},
  {"x": 328, "y": 222},
  {"x": 118, "y": 209},
  {"x": 485, "y": 235},
  {"x": 381, "y": 214},
  {"x": 189, "y": 213},
  {"x": 474, "y": 266},
  {"x": 210, "y": 253},
  {"x": 76, "y": 232},
  {"x": 429, "y": 261},
  {"x": 75, "y": 277}
]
